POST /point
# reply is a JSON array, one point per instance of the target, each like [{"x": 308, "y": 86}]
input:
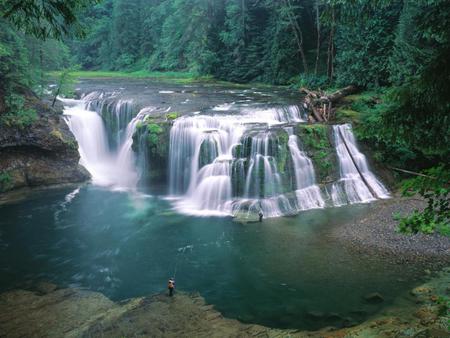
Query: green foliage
[
  {"x": 65, "y": 86},
  {"x": 18, "y": 115},
  {"x": 365, "y": 37},
  {"x": 5, "y": 180},
  {"x": 153, "y": 134},
  {"x": 419, "y": 104},
  {"x": 315, "y": 139},
  {"x": 310, "y": 81},
  {"x": 435, "y": 189},
  {"x": 44, "y": 19},
  {"x": 172, "y": 116}
]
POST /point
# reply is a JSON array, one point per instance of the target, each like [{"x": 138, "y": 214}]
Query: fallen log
[
  {"x": 374, "y": 194},
  {"x": 321, "y": 104}
]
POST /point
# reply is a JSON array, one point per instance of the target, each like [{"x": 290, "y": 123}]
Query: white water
[
  {"x": 202, "y": 161},
  {"x": 308, "y": 193},
  {"x": 221, "y": 164},
  {"x": 114, "y": 168},
  {"x": 351, "y": 187}
]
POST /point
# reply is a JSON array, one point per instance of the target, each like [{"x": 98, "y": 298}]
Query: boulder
[{"x": 374, "y": 298}]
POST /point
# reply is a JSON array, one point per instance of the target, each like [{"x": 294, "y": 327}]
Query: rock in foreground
[{"x": 52, "y": 312}]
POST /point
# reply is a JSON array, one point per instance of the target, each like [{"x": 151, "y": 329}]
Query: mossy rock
[
  {"x": 316, "y": 141},
  {"x": 151, "y": 144}
]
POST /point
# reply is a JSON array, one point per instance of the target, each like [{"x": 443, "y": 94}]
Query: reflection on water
[{"x": 127, "y": 245}]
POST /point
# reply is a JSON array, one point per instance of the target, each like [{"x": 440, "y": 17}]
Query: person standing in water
[
  {"x": 261, "y": 215},
  {"x": 171, "y": 286}
]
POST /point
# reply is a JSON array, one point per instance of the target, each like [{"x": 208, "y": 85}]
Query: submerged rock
[{"x": 374, "y": 298}]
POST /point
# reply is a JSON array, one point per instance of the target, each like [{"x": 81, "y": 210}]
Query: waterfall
[
  {"x": 238, "y": 160},
  {"x": 200, "y": 162},
  {"x": 264, "y": 187},
  {"x": 207, "y": 158},
  {"x": 351, "y": 188},
  {"x": 108, "y": 167},
  {"x": 308, "y": 193}
]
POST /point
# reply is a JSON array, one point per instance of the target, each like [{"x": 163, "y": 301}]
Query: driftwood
[
  {"x": 320, "y": 104},
  {"x": 412, "y": 172}
]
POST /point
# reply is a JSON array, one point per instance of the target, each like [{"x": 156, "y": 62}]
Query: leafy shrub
[
  {"x": 434, "y": 188},
  {"x": 17, "y": 114}
]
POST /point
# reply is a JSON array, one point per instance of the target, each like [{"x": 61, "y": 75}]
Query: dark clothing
[
  {"x": 171, "y": 287},
  {"x": 260, "y": 216}
]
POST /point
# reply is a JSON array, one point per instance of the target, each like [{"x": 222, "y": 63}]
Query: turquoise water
[{"x": 126, "y": 245}]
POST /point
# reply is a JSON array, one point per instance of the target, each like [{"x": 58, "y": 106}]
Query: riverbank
[
  {"x": 167, "y": 77},
  {"x": 46, "y": 310},
  {"x": 376, "y": 232}
]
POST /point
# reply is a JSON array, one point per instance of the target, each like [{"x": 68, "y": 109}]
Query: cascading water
[
  {"x": 212, "y": 173},
  {"x": 308, "y": 193},
  {"x": 239, "y": 160},
  {"x": 108, "y": 167},
  {"x": 209, "y": 141},
  {"x": 352, "y": 188}
]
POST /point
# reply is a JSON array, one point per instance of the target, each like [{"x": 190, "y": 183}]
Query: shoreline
[
  {"x": 375, "y": 233},
  {"x": 53, "y": 312}
]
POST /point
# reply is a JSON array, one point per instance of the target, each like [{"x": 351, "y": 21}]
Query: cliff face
[{"x": 42, "y": 153}]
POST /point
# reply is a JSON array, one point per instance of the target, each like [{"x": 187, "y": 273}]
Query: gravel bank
[{"x": 375, "y": 231}]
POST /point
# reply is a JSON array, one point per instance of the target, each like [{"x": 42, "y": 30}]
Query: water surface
[{"x": 126, "y": 245}]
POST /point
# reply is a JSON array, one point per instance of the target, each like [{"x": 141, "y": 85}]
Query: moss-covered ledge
[{"x": 151, "y": 143}]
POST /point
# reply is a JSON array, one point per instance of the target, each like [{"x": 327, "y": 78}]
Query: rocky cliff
[{"x": 42, "y": 151}]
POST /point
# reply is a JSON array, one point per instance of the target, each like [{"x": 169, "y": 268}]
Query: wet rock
[
  {"x": 426, "y": 315},
  {"x": 374, "y": 298},
  {"x": 349, "y": 322},
  {"x": 42, "y": 153},
  {"x": 435, "y": 333},
  {"x": 420, "y": 290},
  {"x": 45, "y": 287}
]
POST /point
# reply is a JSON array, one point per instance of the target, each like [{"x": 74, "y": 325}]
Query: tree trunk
[
  {"x": 321, "y": 104},
  {"x": 330, "y": 57},
  {"x": 318, "y": 38},
  {"x": 356, "y": 166},
  {"x": 297, "y": 32}
]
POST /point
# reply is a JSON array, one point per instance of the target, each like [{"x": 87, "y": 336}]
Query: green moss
[
  {"x": 347, "y": 115},
  {"x": 172, "y": 116},
  {"x": 153, "y": 128},
  {"x": 5, "y": 180},
  {"x": 57, "y": 134},
  {"x": 317, "y": 143},
  {"x": 283, "y": 152}
]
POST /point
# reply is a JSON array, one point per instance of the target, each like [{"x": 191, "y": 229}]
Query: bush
[
  {"x": 434, "y": 188},
  {"x": 18, "y": 115}
]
